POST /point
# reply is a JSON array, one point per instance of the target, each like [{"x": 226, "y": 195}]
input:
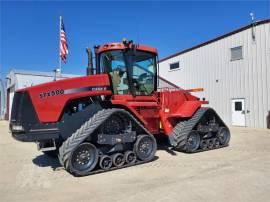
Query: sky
[{"x": 29, "y": 31}]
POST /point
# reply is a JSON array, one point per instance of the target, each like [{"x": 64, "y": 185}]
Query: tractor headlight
[{"x": 17, "y": 128}]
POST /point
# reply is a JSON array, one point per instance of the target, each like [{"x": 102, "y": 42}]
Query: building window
[
  {"x": 236, "y": 53},
  {"x": 174, "y": 66},
  {"x": 238, "y": 106}
]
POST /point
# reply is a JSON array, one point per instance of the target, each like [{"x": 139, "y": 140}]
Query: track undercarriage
[
  {"x": 204, "y": 131},
  {"x": 114, "y": 139},
  {"x": 109, "y": 140}
]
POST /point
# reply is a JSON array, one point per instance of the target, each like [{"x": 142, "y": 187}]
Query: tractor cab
[{"x": 132, "y": 68}]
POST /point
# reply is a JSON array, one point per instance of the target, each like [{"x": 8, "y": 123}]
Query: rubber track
[
  {"x": 178, "y": 138},
  {"x": 182, "y": 129},
  {"x": 86, "y": 130}
]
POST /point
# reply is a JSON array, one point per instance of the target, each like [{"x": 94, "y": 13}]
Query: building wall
[
  {"x": 2, "y": 99},
  {"x": 210, "y": 67},
  {"x": 163, "y": 83},
  {"x": 18, "y": 79}
]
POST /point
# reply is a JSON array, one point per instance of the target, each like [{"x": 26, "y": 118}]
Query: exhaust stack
[{"x": 90, "y": 68}]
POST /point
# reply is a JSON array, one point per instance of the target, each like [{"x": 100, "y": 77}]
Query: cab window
[
  {"x": 143, "y": 73},
  {"x": 112, "y": 62}
]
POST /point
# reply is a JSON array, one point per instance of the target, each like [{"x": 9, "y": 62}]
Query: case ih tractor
[{"x": 109, "y": 119}]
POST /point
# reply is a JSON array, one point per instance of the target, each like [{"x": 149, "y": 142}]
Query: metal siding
[
  {"x": 22, "y": 78},
  {"x": 266, "y": 63},
  {"x": 2, "y": 100},
  {"x": 248, "y": 78}
]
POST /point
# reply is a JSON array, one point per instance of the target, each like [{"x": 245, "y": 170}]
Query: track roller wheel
[
  {"x": 118, "y": 160},
  {"x": 210, "y": 143},
  {"x": 130, "y": 157},
  {"x": 145, "y": 147},
  {"x": 203, "y": 144},
  {"x": 216, "y": 143},
  {"x": 83, "y": 159},
  {"x": 105, "y": 162},
  {"x": 224, "y": 135},
  {"x": 193, "y": 141}
]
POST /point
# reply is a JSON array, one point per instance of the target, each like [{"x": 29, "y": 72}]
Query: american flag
[{"x": 63, "y": 42}]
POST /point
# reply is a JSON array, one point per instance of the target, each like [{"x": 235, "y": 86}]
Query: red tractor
[{"x": 109, "y": 119}]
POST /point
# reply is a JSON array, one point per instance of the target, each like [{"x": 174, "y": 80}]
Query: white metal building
[
  {"x": 233, "y": 69},
  {"x": 17, "y": 79},
  {"x": 2, "y": 99}
]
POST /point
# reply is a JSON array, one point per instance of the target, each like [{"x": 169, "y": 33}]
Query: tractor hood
[{"x": 49, "y": 99}]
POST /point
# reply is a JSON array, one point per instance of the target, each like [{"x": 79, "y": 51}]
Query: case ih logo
[
  {"x": 52, "y": 93},
  {"x": 84, "y": 89}
]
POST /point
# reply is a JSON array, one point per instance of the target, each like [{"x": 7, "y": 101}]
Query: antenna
[{"x": 252, "y": 15}]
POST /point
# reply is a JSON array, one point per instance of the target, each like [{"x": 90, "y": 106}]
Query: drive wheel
[
  {"x": 145, "y": 147},
  {"x": 224, "y": 135},
  {"x": 115, "y": 124},
  {"x": 105, "y": 162},
  {"x": 118, "y": 160},
  {"x": 130, "y": 157},
  {"x": 83, "y": 159},
  {"x": 193, "y": 141}
]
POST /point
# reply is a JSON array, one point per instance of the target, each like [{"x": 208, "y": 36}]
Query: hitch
[{"x": 49, "y": 145}]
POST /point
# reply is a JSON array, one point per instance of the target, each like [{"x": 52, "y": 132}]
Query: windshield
[{"x": 141, "y": 76}]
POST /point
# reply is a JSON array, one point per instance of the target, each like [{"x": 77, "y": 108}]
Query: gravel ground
[{"x": 240, "y": 172}]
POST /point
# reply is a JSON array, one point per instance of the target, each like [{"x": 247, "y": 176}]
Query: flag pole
[{"x": 60, "y": 61}]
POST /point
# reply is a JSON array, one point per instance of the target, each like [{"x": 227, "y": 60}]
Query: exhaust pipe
[{"x": 90, "y": 68}]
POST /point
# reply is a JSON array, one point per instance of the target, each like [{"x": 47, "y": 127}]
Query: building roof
[
  {"x": 24, "y": 78},
  {"x": 217, "y": 38},
  {"x": 38, "y": 73}
]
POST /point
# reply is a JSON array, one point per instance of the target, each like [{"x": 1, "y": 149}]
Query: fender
[
  {"x": 175, "y": 106},
  {"x": 187, "y": 109}
]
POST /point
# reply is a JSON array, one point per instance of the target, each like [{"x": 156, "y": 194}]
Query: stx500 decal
[{"x": 56, "y": 92}]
